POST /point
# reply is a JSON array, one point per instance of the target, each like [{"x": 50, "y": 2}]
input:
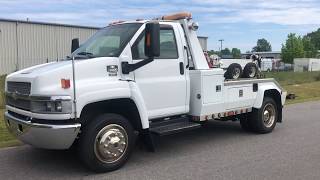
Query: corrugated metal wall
[
  {"x": 24, "y": 44},
  {"x": 8, "y": 50}
]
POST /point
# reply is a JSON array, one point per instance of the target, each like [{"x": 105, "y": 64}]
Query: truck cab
[{"x": 149, "y": 77}]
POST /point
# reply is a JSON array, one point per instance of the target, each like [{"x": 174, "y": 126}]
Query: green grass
[
  {"x": 304, "y": 92},
  {"x": 305, "y": 85},
  {"x": 6, "y": 139},
  {"x": 291, "y": 78}
]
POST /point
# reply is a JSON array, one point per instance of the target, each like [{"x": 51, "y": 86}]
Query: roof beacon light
[
  {"x": 116, "y": 22},
  {"x": 177, "y": 16}
]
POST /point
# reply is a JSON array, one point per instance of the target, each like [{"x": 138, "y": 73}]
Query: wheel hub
[
  {"x": 236, "y": 73},
  {"x": 252, "y": 72},
  {"x": 111, "y": 143},
  {"x": 269, "y": 115}
]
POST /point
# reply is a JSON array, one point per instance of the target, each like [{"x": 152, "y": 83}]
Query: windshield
[{"x": 107, "y": 42}]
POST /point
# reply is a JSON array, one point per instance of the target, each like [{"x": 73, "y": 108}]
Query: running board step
[{"x": 173, "y": 126}]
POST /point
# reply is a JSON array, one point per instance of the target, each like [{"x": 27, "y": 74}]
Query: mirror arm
[{"x": 127, "y": 68}]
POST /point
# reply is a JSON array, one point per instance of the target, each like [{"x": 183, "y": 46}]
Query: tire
[
  {"x": 112, "y": 152},
  {"x": 234, "y": 71},
  {"x": 264, "y": 120},
  {"x": 250, "y": 70}
]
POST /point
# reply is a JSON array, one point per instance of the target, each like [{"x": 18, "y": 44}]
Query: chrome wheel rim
[
  {"x": 111, "y": 143},
  {"x": 269, "y": 115},
  {"x": 236, "y": 73}
]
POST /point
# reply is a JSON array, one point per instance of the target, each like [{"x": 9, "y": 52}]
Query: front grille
[
  {"x": 18, "y": 103},
  {"x": 23, "y": 88}
]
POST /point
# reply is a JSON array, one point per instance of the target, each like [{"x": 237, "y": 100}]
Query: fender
[
  {"x": 113, "y": 90},
  {"x": 260, "y": 94},
  {"x": 138, "y": 100}
]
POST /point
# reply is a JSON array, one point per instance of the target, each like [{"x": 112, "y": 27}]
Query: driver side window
[{"x": 168, "y": 45}]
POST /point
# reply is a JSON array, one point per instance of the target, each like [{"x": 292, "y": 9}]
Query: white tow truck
[{"x": 144, "y": 77}]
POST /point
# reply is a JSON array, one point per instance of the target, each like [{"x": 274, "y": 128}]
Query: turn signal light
[{"x": 65, "y": 83}]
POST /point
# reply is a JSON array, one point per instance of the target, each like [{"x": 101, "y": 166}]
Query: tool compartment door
[
  {"x": 239, "y": 96},
  {"x": 212, "y": 88}
]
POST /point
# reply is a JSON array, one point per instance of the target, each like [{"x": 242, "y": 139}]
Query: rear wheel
[
  {"x": 264, "y": 120},
  {"x": 106, "y": 142}
]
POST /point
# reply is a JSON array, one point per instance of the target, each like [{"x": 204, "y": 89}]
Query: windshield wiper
[{"x": 88, "y": 54}]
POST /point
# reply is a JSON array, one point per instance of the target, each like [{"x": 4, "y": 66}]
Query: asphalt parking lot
[{"x": 220, "y": 150}]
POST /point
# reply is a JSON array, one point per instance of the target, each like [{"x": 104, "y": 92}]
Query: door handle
[{"x": 181, "y": 68}]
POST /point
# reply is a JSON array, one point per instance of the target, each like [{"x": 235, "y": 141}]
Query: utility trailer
[{"x": 146, "y": 76}]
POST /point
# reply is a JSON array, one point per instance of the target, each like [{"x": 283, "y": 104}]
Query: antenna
[{"x": 74, "y": 89}]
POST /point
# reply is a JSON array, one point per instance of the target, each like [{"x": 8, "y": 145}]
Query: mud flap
[{"x": 147, "y": 140}]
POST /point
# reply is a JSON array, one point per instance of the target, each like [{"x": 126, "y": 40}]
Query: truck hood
[
  {"x": 46, "y": 78},
  {"x": 34, "y": 71}
]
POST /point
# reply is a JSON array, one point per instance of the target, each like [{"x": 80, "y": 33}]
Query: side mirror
[
  {"x": 152, "y": 40},
  {"x": 74, "y": 44},
  {"x": 151, "y": 48}
]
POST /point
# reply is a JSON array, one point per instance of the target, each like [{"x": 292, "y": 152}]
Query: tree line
[
  {"x": 262, "y": 46},
  {"x": 235, "y": 53},
  {"x": 296, "y": 46},
  {"x": 301, "y": 46}
]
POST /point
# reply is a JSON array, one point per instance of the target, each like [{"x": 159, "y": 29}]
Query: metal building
[{"x": 26, "y": 43}]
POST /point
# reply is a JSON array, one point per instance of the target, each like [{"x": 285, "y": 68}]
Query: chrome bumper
[{"x": 44, "y": 136}]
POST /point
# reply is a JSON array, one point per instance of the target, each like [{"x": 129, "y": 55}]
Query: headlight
[{"x": 55, "y": 104}]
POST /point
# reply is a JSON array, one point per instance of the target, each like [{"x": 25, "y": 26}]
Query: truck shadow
[{"x": 26, "y": 160}]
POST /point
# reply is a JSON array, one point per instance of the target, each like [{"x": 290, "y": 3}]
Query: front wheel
[
  {"x": 106, "y": 142},
  {"x": 264, "y": 120}
]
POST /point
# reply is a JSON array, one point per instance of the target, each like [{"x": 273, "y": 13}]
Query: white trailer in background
[
  {"x": 306, "y": 64},
  {"x": 266, "y": 64}
]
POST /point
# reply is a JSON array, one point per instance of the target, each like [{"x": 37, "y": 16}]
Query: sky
[{"x": 239, "y": 22}]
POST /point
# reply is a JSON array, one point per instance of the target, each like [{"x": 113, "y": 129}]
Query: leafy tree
[
  {"x": 236, "y": 53},
  {"x": 315, "y": 38},
  {"x": 226, "y": 51},
  {"x": 309, "y": 48},
  {"x": 293, "y": 48},
  {"x": 211, "y": 52},
  {"x": 262, "y": 46}
]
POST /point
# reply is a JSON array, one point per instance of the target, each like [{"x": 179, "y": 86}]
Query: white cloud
[{"x": 287, "y": 12}]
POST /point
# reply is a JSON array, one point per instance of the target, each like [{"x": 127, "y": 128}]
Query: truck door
[{"x": 163, "y": 81}]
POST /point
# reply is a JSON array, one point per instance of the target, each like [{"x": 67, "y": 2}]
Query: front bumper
[{"x": 44, "y": 136}]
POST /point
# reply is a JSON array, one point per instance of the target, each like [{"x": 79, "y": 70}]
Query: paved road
[{"x": 221, "y": 150}]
